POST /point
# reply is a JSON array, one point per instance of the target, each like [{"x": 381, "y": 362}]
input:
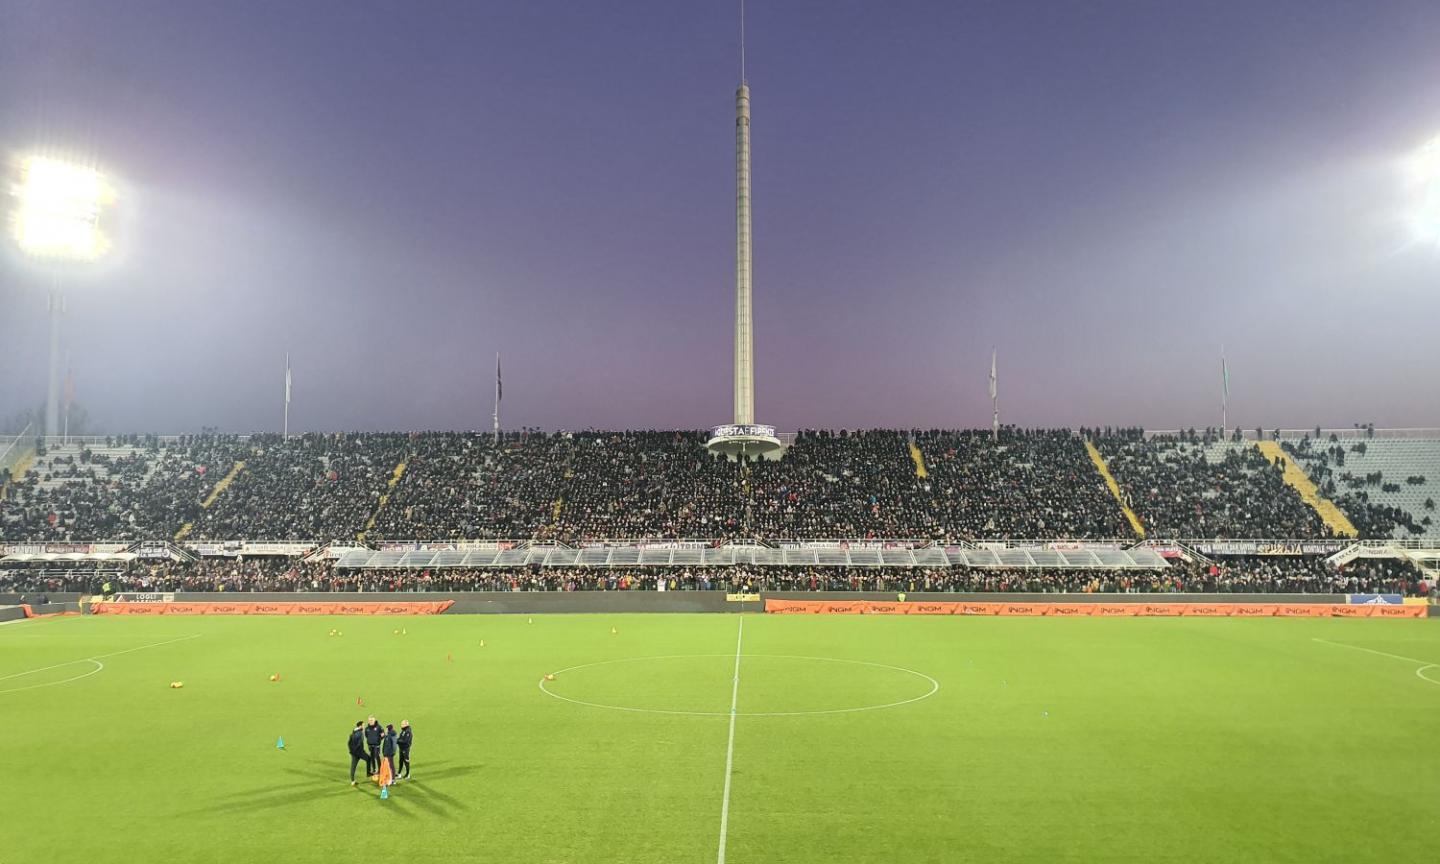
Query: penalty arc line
[
  {"x": 730, "y": 746},
  {"x": 1419, "y": 673},
  {"x": 98, "y": 657}
]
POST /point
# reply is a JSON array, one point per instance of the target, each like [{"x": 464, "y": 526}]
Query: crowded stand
[
  {"x": 1195, "y": 485},
  {"x": 310, "y": 487},
  {"x": 837, "y": 484},
  {"x": 576, "y": 487},
  {"x": 119, "y": 488},
  {"x": 1026, "y": 483},
  {"x": 1238, "y": 575}
]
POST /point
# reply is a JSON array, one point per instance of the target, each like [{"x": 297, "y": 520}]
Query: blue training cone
[
  {"x": 384, "y": 793},
  {"x": 280, "y": 743}
]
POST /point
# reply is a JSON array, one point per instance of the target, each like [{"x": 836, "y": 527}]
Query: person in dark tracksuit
[
  {"x": 389, "y": 749},
  {"x": 357, "y": 749},
  {"x": 373, "y": 734},
  {"x": 403, "y": 742}
]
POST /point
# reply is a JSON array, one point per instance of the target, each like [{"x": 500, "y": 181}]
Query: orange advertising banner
[
  {"x": 1248, "y": 610},
  {"x": 1199, "y": 610},
  {"x": 1025, "y": 609},
  {"x": 1398, "y": 611},
  {"x": 430, "y": 607},
  {"x": 791, "y": 607}
]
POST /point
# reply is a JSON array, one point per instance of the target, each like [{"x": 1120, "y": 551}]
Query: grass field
[{"x": 1048, "y": 740}]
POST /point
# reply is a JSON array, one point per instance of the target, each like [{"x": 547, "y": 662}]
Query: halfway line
[{"x": 730, "y": 746}]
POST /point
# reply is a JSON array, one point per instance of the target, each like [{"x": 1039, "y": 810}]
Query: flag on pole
[
  {"x": 992, "y": 373},
  {"x": 499, "y": 386},
  {"x": 287, "y": 379},
  {"x": 1225, "y": 378}
]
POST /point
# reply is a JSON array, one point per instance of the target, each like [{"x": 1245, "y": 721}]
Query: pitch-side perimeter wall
[
  {"x": 543, "y": 602},
  {"x": 1266, "y": 609}
]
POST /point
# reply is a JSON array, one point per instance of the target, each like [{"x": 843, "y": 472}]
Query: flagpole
[
  {"x": 1224, "y": 394},
  {"x": 287, "y": 396},
  {"x": 495, "y": 418},
  {"x": 994, "y": 401},
  {"x": 69, "y": 394}
]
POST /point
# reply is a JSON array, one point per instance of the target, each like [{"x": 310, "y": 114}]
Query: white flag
[
  {"x": 287, "y": 379},
  {"x": 992, "y": 374}
]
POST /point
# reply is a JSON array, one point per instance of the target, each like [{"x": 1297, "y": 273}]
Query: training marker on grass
[{"x": 280, "y": 743}]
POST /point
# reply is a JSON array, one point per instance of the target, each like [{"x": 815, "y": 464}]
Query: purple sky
[{"x": 393, "y": 192}]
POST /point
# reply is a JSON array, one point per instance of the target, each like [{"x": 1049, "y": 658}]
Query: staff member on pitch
[
  {"x": 403, "y": 741},
  {"x": 373, "y": 734},
  {"x": 357, "y": 749},
  {"x": 389, "y": 751}
]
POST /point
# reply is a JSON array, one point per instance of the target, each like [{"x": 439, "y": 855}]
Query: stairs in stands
[
  {"x": 919, "y": 459},
  {"x": 1297, "y": 479},
  {"x": 210, "y": 499},
  {"x": 384, "y": 498},
  {"x": 1114, "y": 488},
  {"x": 18, "y": 469}
]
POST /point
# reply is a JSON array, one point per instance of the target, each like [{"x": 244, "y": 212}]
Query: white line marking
[
  {"x": 99, "y": 667},
  {"x": 730, "y": 746},
  {"x": 1419, "y": 673},
  {"x": 97, "y": 657},
  {"x": 934, "y": 687}
]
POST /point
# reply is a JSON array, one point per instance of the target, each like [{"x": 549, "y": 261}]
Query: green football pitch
[{"x": 871, "y": 739}]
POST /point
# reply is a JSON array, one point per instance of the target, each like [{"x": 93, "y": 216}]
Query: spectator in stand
[{"x": 1241, "y": 575}]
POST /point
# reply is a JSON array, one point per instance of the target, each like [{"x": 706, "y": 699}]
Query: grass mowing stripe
[{"x": 730, "y": 745}]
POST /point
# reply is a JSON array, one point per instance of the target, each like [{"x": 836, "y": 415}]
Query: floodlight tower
[
  {"x": 57, "y": 221},
  {"x": 744, "y": 437}
]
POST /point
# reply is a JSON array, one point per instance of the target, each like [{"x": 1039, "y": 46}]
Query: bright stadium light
[
  {"x": 58, "y": 220},
  {"x": 1423, "y": 169},
  {"x": 58, "y": 211}
]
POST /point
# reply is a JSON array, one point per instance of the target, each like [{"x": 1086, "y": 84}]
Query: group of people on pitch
[{"x": 369, "y": 743}]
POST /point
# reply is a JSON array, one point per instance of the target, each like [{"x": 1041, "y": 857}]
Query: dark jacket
[
  {"x": 389, "y": 744},
  {"x": 404, "y": 740},
  {"x": 373, "y": 734},
  {"x": 357, "y": 743}
]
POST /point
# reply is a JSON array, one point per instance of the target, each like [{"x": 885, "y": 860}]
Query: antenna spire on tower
[{"x": 742, "y": 41}]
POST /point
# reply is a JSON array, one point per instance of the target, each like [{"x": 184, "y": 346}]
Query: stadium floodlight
[
  {"x": 59, "y": 209},
  {"x": 1424, "y": 171}
]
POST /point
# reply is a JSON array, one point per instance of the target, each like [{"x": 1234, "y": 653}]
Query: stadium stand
[
  {"x": 943, "y": 486},
  {"x": 1387, "y": 486},
  {"x": 1029, "y": 483},
  {"x": 1194, "y": 485},
  {"x": 1246, "y": 575}
]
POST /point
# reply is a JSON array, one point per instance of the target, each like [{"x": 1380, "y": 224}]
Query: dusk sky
[{"x": 1106, "y": 192}]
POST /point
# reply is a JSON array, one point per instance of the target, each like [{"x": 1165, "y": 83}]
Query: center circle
[{"x": 771, "y": 685}]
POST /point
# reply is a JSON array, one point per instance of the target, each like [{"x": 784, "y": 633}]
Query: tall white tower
[
  {"x": 743, "y": 437},
  {"x": 744, "y": 333}
]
